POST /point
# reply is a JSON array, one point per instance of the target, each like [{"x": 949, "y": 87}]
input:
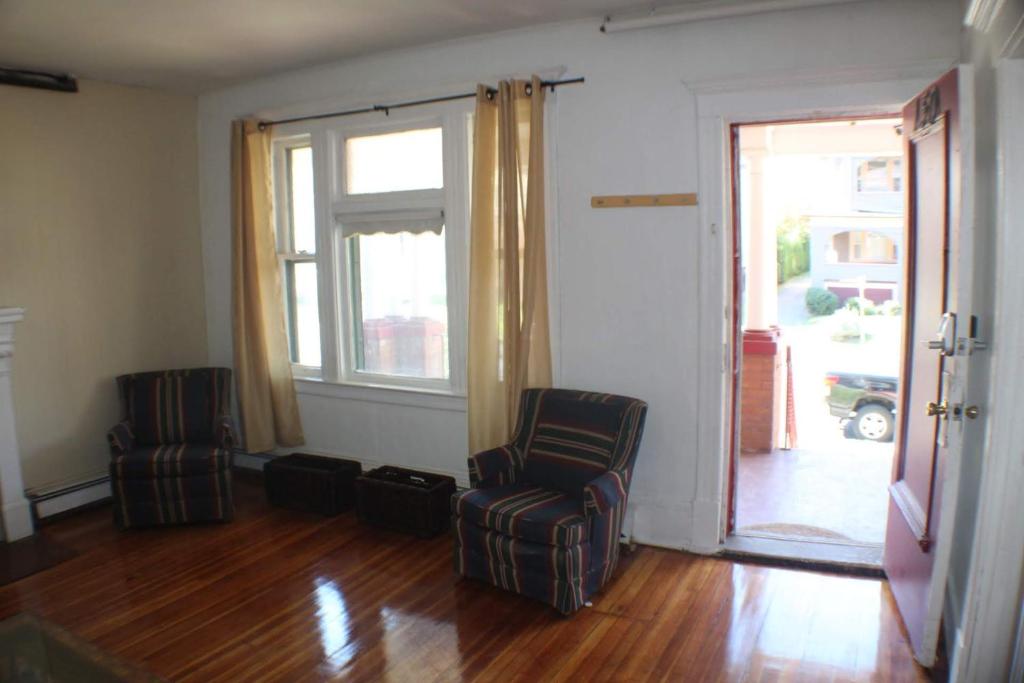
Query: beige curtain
[
  {"x": 263, "y": 372},
  {"x": 509, "y": 345}
]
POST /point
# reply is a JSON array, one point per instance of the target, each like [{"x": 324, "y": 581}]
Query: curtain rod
[{"x": 386, "y": 108}]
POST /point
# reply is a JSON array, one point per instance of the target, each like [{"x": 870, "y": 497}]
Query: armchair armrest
[
  {"x": 224, "y": 432},
  {"x": 604, "y": 493},
  {"x": 121, "y": 438},
  {"x": 495, "y": 467}
]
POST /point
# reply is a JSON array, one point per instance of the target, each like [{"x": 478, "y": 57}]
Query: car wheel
[{"x": 874, "y": 423}]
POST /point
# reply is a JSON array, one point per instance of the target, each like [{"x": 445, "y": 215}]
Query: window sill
[{"x": 376, "y": 393}]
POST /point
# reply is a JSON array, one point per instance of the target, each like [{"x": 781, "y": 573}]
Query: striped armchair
[
  {"x": 171, "y": 452},
  {"x": 544, "y": 512}
]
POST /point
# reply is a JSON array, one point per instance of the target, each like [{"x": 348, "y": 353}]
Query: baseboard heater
[
  {"x": 38, "y": 79},
  {"x": 61, "y": 500}
]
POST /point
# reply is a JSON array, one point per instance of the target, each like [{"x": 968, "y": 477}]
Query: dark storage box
[
  {"x": 405, "y": 500},
  {"x": 311, "y": 483}
]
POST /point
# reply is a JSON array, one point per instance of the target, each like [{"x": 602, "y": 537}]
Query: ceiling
[{"x": 201, "y": 45}]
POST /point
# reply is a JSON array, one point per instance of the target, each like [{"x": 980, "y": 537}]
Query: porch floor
[{"x": 835, "y": 494}]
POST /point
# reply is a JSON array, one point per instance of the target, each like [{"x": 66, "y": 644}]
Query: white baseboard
[{"x": 69, "y": 497}]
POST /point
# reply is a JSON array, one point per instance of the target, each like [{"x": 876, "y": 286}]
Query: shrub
[
  {"x": 862, "y": 305},
  {"x": 821, "y": 301},
  {"x": 892, "y": 307},
  {"x": 793, "y": 248}
]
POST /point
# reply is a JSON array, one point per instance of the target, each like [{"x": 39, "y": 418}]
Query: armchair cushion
[
  {"x": 496, "y": 467},
  {"x": 604, "y": 493},
  {"x": 178, "y": 406},
  {"x": 175, "y": 460},
  {"x": 121, "y": 438},
  {"x": 525, "y": 512},
  {"x": 572, "y": 443}
]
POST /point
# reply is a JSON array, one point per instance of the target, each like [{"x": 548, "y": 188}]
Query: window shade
[{"x": 391, "y": 222}]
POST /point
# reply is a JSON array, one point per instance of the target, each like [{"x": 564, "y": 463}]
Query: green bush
[
  {"x": 821, "y": 301},
  {"x": 862, "y": 305},
  {"x": 793, "y": 248},
  {"x": 892, "y": 307}
]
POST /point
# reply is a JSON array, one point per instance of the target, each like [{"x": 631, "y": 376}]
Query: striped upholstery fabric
[
  {"x": 177, "y": 406},
  {"x": 171, "y": 452},
  {"x": 545, "y": 512},
  {"x": 527, "y": 512}
]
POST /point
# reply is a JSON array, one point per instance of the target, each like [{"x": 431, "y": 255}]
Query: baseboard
[{"x": 62, "y": 500}]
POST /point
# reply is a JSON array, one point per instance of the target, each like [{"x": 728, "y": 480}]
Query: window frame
[
  {"x": 284, "y": 241},
  {"x": 336, "y": 289}
]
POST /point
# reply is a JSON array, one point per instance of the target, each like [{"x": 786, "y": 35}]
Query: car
[{"x": 865, "y": 404}]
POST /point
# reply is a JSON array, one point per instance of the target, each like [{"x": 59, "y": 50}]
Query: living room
[{"x": 307, "y": 196}]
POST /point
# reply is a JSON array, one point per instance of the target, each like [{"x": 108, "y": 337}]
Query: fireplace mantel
[{"x": 14, "y": 507}]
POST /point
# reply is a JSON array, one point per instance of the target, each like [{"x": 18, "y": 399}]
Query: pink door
[{"x": 931, "y": 152}]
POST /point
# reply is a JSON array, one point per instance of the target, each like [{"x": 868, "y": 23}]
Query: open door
[{"x": 930, "y": 374}]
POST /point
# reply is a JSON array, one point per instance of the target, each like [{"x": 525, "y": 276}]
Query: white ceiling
[{"x": 199, "y": 45}]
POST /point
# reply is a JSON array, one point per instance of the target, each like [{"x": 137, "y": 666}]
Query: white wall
[{"x": 626, "y": 284}]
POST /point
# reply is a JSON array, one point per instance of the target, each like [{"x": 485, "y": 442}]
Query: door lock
[
  {"x": 937, "y": 409},
  {"x": 945, "y": 336}
]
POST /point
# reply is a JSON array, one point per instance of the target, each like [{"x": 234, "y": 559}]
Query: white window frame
[
  {"x": 337, "y": 324},
  {"x": 284, "y": 239}
]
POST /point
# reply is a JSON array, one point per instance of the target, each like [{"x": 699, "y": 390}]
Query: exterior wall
[
  {"x": 625, "y": 285},
  {"x": 823, "y": 272},
  {"x": 99, "y": 242}
]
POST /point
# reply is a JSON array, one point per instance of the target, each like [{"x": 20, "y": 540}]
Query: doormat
[{"x": 29, "y": 556}]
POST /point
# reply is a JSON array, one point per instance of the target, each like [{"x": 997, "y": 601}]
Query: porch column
[
  {"x": 761, "y": 260},
  {"x": 14, "y": 507}
]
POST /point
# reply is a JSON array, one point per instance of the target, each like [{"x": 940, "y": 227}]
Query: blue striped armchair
[
  {"x": 171, "y": 453},
  {"x": 544, "y": 513}
]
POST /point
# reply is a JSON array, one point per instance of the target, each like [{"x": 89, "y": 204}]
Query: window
[
  {"x": 880, "y": 175},
  {"x": 296, "y": 248},
  {"x": 393, "y": 258},
  {"x": 878, "y": 184}
]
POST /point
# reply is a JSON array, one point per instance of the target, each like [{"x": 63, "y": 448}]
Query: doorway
[{"x": 819, "y": 279}]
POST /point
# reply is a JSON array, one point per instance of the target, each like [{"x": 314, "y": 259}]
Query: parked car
[{"x": 865, "y": 404}]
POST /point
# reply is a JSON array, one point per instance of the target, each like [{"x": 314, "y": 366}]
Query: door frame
[
  {"x": 736, "y": 300},
  {"x": 817, "y": 94},
  {"x": 989, "y": 640}
]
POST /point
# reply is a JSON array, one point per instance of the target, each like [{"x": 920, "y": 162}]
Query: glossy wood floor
[{"x": 285, "y": 596}]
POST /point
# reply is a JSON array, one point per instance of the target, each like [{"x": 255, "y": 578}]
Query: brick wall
[{"x": 762, "y": 391}]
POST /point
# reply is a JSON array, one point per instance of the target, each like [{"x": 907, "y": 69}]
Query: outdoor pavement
[{"x": 829, "y": 487}]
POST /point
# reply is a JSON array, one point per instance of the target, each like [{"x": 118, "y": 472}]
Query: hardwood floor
[{"x": 284, "y": 596}]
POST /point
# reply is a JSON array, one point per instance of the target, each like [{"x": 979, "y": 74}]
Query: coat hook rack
[{"x": 620, "y": 201}]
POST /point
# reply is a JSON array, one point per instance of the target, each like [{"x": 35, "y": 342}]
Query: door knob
[
  {"x": 971, "y": 412},
  {"x": 937, "y": 409}
]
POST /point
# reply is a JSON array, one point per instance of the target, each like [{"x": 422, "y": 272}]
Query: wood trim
[
  {"x": 911, "y": 513},
  {"x": 642, "y": 200}
]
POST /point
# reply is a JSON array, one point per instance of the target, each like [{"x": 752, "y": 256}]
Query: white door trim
[
  {"x": 991, "y": 612},
  {"x": 849, "y": 93}
]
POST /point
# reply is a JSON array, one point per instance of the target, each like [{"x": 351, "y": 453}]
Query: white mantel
[{"x": 14, "y": 508}]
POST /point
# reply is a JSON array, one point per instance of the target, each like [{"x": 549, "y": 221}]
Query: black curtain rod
[{"x": 386, "y": 108}]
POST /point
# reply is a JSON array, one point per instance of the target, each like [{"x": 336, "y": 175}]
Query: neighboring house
[
  {"x": 855, "y": 251},
  {"x": 857, "y": 246}
]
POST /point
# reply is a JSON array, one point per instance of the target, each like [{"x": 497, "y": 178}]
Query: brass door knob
[
  {"x": 971, "y": 411},
  {"x": 937, "y": 409}
]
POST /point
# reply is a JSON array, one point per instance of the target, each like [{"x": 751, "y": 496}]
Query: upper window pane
[
  {"x": 408, "y": 160},
  {"x": 401, "y": 305},
  {"x": 300, "y": 199}
]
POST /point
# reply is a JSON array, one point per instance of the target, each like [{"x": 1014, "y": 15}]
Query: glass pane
[
  {"x": 300, "y": 199},
  {"x": 401, "y": 306},
  {"x": 303, "y": 314},
  {"x": 409, "y": 160}
]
